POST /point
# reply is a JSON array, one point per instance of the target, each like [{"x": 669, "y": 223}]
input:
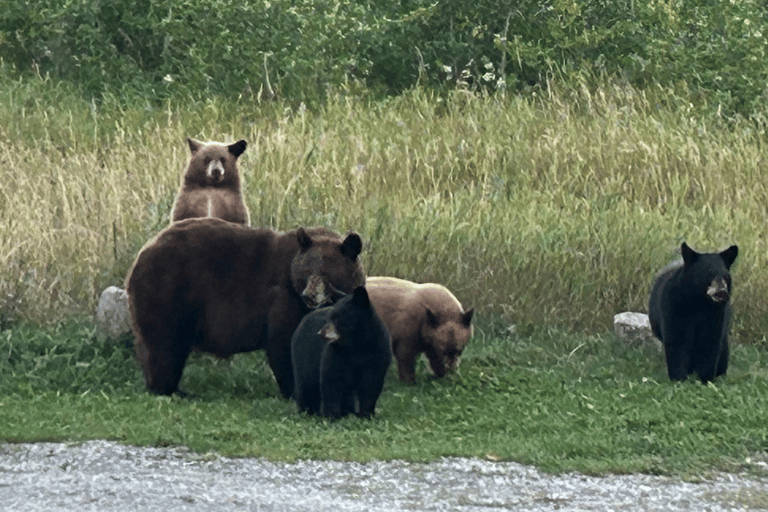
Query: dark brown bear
[
  {"x": 224, "y": 288},
  {"x": 211, "y": 186}
]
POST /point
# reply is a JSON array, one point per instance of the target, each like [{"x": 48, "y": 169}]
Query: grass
[
  {"x": 562, "y": 402},
  {"x": 552, "y": 210}
]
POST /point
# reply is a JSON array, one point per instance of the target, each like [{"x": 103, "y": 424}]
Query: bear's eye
[{"x": 207, "y": 160}]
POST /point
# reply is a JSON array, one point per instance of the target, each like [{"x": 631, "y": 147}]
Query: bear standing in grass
[
  {"x": 211, "y": 186},
  {"x": 690, "y": 312},
  {"x": 340, "y": 357},
  {"x": 421, "y": 318},
  {"x": 224, "y": 288}
]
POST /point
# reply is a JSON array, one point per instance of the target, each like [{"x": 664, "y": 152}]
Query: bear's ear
[
  {"x": 432, "y": 318},
  {"x": 466, "y": 318},
  {"x": 329, "y": 332},
  {"x": 305, "y": 242},
  {"x": 237, "y": 148},
  {"x": 729, "y": 256},
  {"x": 194, "y": 145},
  {"x": 352, "y": 246},
  {"x": 360, "y": 297},
  {"x": 689, "y": 255}
]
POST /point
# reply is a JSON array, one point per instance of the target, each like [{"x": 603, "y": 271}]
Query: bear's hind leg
[{"x": 162, "y": 367}]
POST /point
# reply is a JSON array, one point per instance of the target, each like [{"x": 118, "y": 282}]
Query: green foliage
[
  {"x": 561, "y": 402},
  {"x": 714, "y": 52}
]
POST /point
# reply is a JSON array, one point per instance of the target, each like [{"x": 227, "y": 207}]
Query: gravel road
[{"x": 108, "y": 476}]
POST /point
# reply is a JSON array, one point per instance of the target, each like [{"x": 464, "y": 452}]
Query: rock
[
  {"x": 635, "y": 329},
  {"x": 113, "y": 319}
]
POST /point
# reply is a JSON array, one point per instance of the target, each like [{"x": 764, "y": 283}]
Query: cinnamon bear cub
[
  {"x": 421, "y": 318},
  {"x": 340, "y": 358},
  {"x": 690, "y": 312},
  {"x": 211, "y": 186},
  {"x": 224, "y": 288}
]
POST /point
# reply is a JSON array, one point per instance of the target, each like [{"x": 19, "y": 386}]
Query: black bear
[
  {"x": 340, "y": 357},
  {"x": 211, "y": 186},
  {"x": 690, "y": 311},
  {"x": 224, "y": 288}
]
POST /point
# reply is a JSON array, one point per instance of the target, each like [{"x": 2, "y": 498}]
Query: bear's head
[
  {"x": 708, "y": 273},
  {"x": 213, "y": 164},
  {"x": 351, "y": 315},
  {"x": 448, "y": 335},
  {"x": 327, "y": 267}
]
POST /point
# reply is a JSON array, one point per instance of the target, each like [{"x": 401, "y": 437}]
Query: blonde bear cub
[
  {"x": 211, "y": 186},
  {"x": 421, "y": 318}
]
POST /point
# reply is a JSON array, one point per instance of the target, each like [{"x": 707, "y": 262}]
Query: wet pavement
[{"x": 107, "y": 476}]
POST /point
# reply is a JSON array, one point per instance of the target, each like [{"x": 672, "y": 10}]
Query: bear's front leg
[
  {"x": 406, "y": 362},
  {"x": 337, "y": 395},
  {"x": 285, "y": 314},
  {"x": 678, "y": 358},
  {"x": 436, "y": 361}
]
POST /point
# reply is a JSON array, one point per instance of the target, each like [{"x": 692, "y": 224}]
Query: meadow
[
  {"x": 555, "y": 209},
  {"x": 548, "y": 213}
]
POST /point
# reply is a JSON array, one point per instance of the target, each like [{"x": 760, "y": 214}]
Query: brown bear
[
  {"x": 224, "y": 288},
  {"x": 211, "y": 186},
  {"x": 421, "y": 318}
]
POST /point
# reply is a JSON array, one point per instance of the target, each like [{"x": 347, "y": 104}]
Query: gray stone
[
  {"x": 113, "y": 319},
  {"x": 635, "y": 329}
]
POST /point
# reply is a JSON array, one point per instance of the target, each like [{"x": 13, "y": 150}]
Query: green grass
[
  {"x": 561, "y": 402},
  {"x": 541, "y": 210},
  {"x": 549, "y": 212}
]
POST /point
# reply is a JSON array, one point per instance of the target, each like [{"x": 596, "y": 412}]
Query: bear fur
[
  {"x": 340, "y": 356},
  {"x": 224, "y": 288},
  {"x": 211, "y": 185},
  {"x": 690, "y": 312},
  {"x": 421, "y": 318}
]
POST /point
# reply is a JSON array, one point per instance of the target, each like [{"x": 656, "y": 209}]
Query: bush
[{"x": 713, "y": 51}]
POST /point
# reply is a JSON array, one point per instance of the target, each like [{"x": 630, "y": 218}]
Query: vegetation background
[{"x": 542, "y": 159}]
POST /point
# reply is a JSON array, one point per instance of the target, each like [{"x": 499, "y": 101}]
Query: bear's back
[{"x": 397, "y": 301}]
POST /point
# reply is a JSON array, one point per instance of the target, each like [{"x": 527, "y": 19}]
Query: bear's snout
[
  {"x": 215, "y": 171},
  {"x": 314, "y": 294},
  {"x": 718, "y": 290}
]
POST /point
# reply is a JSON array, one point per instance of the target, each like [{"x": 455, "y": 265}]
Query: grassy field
[
  {"x": 561, "y": 402},
  {"x": 551, "y": 213},
  {"x": 542, "y": 211}
]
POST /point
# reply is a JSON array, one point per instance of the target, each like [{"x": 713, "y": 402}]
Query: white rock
[
  {"x": 112, "y": 316},
  {"x": 634, "y": 329}
]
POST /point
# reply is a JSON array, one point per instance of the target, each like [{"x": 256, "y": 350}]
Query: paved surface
[{"x": 107, "y": 476}]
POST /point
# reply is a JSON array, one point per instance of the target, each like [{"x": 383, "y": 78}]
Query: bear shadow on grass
[{"x": 340, "y": 357}]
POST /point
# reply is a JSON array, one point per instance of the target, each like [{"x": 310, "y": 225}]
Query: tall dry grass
[{"x": 552, "y": 209}]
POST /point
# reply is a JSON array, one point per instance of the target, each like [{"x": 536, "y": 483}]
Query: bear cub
[
  {"x": 340, "y": 357},
  {"x": 690, "y": 312},
  {"x": 421, "y": 318},
  {"x": 211, "y": 186}
]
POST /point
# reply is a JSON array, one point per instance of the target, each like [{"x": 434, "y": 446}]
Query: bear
[
  {"x": 340, "y": 356},
  {"x": 689, "y": 310},
  {"x": 421, "y": 318},
  {"x": 223, "y": 288},
  {"x": 211, "y": 184}
]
